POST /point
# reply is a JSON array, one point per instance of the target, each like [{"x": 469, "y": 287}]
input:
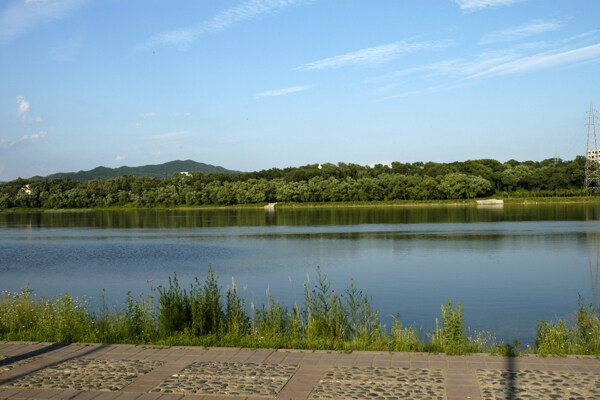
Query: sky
[{"x": 256, "y": 84}]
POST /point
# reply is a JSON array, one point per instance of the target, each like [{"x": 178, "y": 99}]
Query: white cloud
[
  {"x": 373, "y": 55},
  {"x": 520, "y": 32},
  {"x": 5, "y": 144},
  {"x": 22, "y": 106},
  {"x": 169, "y": 135},
  {"x": 119, "y": 158},
  {"x": 476, "y": 5},
  {"x": 35, "y": 136},
  {"x": 38, "y": 120},
  {"x": 281, "y": 92},
  {"x": 137, "y": 124},
  {"x": 543, "y": 60},
  {"x": 245, "y": 11},
  {"x": 22, "y": 16},
  {"x": 187, "y": 114},
  {"x": 147, "y": 115}
]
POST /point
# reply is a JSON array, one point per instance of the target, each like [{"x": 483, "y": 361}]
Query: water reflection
[
  {"x": 509, "y": 266},
  {"x": 593, "y": 241},
  {"x": 206, "y": 218}
]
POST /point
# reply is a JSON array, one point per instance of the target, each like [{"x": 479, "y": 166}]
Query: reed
[{"x": 206, "y": 315}]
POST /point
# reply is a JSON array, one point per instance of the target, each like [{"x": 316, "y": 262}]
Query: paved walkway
[{"x": 126, "y": 372}]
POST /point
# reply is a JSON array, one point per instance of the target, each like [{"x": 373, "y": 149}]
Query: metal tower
[{"x": 592, "y": 155}]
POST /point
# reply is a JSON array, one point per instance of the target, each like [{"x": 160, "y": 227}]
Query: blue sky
[{"x": 251, "y": 84}]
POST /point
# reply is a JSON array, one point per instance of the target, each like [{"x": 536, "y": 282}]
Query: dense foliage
[{"x": 310, "y": 183}]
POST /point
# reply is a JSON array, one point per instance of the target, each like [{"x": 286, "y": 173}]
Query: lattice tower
[{"x": 592, "y": 160}]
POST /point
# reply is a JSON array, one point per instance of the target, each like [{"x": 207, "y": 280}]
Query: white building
[{"x": 594, "y": 155}]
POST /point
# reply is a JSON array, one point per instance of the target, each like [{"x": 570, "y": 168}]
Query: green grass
[
  {"x": 205, "y": 315},
  {"x": 512, "y": 198}
]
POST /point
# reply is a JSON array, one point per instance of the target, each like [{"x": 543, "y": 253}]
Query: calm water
[{"x": 509, "y": 266}]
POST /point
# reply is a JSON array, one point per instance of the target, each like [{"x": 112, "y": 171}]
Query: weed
[
  {"x": 324, "y": 320},
  {"x": 454, "y": 337}
]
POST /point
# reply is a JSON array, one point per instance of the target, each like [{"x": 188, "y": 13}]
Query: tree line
[{"x": 310, "y": 183}]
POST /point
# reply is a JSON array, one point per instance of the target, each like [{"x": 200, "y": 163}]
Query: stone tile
[
  {"x": 226, "y": 379},
  {"x": 170, "y": 396},
  {"x": 243, "y": 355},
  {"x": 8, "y": 363},
  {"x": 86, "y": 395},
  {"x": 28, "y": 394},
  {"x": 310, "y": 359},
  {"x": 149, "y": 396},
  {"x": 67, "y": 394},
  {"x": 128, "y": 396},
  {"x": 419, "y": 364},
  {"x": 438, "y": 364},
  {"x": 381, "y": 383},
  {"x": 476, "y": 365},
  {"x": 259, "y": 356},
  {"x": 85, "y": 374},
  {"x": 107, "y": 396},
  {"x": 541, "y": 385},
  {"x": 48, "y": 394},
  {"x": 4, "y": 393}
]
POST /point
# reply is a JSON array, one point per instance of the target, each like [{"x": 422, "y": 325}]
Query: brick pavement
[{"x": 128, "y": 372}]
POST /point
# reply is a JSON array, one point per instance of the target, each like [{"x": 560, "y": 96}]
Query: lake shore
[{"x": 392, "y": 203}]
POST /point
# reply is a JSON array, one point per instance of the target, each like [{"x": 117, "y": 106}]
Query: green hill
[{"x": 165, "y": 170}]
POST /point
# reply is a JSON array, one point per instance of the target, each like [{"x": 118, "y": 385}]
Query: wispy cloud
[
  {"x": 22, "y": 107},
  {"x": 5, "y": 144},
  {"x": 456, "y": 73},
  {"x": 245, "y": 11},
  {"x": 374, "y": 55},
  {"x": 520, "y": 32},
  {"x": 476, "y": 5},
  {"x": 281, "y": 92},
  {"x": 543, "y": 60},
  {"x": 147, "y": 115},
  {"x": 169, "y": 135},
  {"x": 119, "y": 158},
  {"x": 454, "y": 67},
  {"x": 22, "y": 16}
]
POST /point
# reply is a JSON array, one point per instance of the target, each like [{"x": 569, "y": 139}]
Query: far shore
[{"x": 365, "y": 204}]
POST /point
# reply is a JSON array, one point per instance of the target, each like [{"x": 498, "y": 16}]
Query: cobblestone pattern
[
  {"x": 86, "y": 374},
  {"x": 539, "y": 385},
  {"x": 8, "y": 363},
  {"x": 380, "y": 383},
  {"x": 228, "y": 379}
]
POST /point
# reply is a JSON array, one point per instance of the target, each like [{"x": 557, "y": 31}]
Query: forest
[{"x": 315, "y": 183}]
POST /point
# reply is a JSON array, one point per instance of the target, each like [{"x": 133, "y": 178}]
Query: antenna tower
[{"x": 592, "y": 155}]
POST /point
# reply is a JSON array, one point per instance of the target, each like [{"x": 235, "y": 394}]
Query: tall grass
[
  {"x": 206, "y": 315},
  {"x": 577, "y": 334}
]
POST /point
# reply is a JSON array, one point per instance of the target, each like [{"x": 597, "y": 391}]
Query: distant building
[
  {"x": 26, "y": 190},
  {"x": 594, "y": 155}
]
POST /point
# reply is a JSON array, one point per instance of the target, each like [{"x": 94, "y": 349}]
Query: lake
[{"x": 509, "y": 266}]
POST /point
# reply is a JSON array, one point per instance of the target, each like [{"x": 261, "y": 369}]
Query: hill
[{"x": 165, "y": 170}]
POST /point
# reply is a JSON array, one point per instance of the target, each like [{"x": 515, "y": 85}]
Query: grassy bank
[
  {"x": 206, "y": 315},
  {"x": 527, "y": 200}
]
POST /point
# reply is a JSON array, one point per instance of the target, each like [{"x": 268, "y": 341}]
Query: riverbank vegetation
[
  {"x": 206, "y": 315},
  {"x": 321, "y": 184}
]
